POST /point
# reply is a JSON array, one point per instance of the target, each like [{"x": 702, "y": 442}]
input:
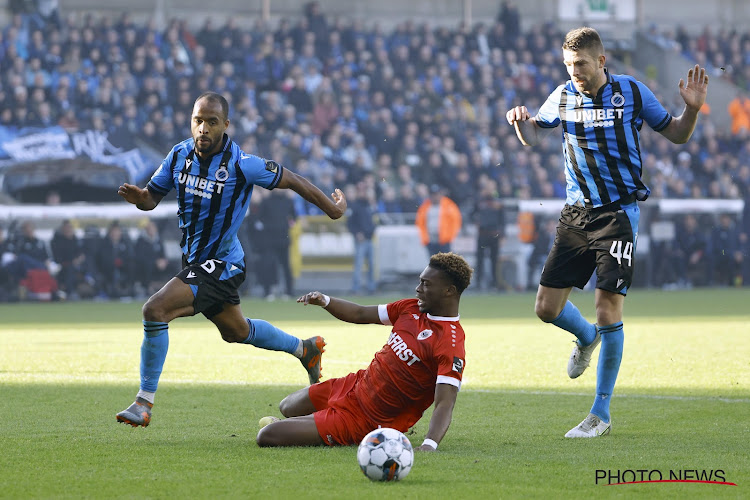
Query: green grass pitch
[{"x": 682, "y": 403}]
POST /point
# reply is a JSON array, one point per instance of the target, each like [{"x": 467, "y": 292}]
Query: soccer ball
[{"x": 385, "y": 455}]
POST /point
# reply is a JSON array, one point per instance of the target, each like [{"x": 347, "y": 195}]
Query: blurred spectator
[
  {"x": 115, "y": 263},
  {"x": 489, "y": 217},
  {"x": 693, "y": 244},
  {"x": 31, "y": 252},
  {"x": 439, "y": 221},
  {"x": 275, "y": 217},
  {"x": 726, "y": 254},
  {"x": 739, "y": 111},
  {"x": 361, "y": 223},
  {"x": 8, "y": 282},
  {"x": 67, "y": 251},
  {"x": 154, "y": 268}
]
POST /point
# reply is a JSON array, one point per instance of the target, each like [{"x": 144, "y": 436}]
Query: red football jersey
[{"x": 422, "y": 351}]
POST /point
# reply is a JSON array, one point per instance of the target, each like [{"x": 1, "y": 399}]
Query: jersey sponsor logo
[
  {"x": 458, "y": 364},
  {"x": 424, "y": 334},
  {"x": 595, "y": 117},
  {"x": 200, "y": 186},
  {"x": 272, "y": 166},
  {"x": 401, "y": 349}
]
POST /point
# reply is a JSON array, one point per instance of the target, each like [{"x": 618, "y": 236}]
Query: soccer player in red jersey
[{"x": 423, "y": 361}]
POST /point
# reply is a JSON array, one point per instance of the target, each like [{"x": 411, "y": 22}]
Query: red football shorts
[{"x": 339, "y": 417}]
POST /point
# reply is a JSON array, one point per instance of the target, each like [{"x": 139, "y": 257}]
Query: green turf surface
[{"x": 682, "y": 403}]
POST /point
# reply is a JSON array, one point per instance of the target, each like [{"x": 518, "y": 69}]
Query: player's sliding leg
[
  {"x": 153, "y": 353},
  {"x": 297, "y": 404},
  {"x": 266, "y": 336},
  {"x": 296, "y": 431}
]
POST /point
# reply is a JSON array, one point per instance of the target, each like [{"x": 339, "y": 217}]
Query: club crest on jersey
[
  {"x": 222, "y": 174},
  {"x": 272, "y": 166},
  {"x": 617, "y": 100},
  {"x": 424, "y": 334},
  {"x": 458, "y": 364}
]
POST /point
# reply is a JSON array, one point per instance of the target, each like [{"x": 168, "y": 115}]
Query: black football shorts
[
  {"x": 210, "y": 291},
  {"x": 593, "y": 238}
]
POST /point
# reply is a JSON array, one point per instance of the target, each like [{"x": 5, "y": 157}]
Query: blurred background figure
[
  {"x": 275, "y": 217},
  {"x": 439, "y": 221},
  {"x": 489, "y": 217},
  {"x": 153, "y": 268},
  {"x": 361, "y": 223},
  {"x": 115, "y": 262},
  {"x": 67, "y": 251}
]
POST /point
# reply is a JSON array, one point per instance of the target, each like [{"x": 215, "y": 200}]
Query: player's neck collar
[{"x": 443, "y": 318}]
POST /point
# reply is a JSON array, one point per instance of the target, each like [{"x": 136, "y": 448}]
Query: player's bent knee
[
  {"x": 267, "y": 437},
  {"x": 546, "y": 313},
  {"x": 286, "y": 407},
  {"x": 152, "y": 312}
]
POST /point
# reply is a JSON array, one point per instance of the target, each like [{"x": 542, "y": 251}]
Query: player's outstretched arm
[
  {"x": 141, "y": 198},
  {"x": 342, "y": 309},
  {"x": 445, "y": 400},
  {"x": 334, "y": 207},
  {"x": 693, "y": 92},
  {"x": 526, "y": 129}
]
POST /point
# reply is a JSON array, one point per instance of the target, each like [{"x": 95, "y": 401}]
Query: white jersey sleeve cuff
[
  {"x": 383, "y": 313},
  {"x": 444, "y": 379}
]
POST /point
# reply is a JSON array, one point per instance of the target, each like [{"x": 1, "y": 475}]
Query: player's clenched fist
[
  {"x": 314, "y": 298},
  {"x": 517, "y": 114}
]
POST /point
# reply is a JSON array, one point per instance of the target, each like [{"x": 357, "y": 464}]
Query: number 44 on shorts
[{"x": 621, "y": 254}]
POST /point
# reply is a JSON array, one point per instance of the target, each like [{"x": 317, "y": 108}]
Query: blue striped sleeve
[
  {"x": 652, "y": 110},
  {"x": 162, "y": 181},
  {"x": 549, "y": 114}
]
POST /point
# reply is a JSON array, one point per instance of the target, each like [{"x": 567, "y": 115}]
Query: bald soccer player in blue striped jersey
[
  {"x": 214, "y": 181},
  {"x": 601, "y": 115}
]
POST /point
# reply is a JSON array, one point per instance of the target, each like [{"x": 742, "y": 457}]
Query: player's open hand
[
  {"x": 694, "y": 91},
  {"x": 132, "y": 194},
  {"x": 517, "y": 114},
  {"x": 340, "y": 201},
  {"x": 314, "y": 298}
]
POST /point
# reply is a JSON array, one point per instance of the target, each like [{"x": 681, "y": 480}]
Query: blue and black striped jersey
[
  {"x": 601, "y": 137},
  {"x": 212, "y": 197}
]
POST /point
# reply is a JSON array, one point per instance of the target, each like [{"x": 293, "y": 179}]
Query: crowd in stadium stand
[{"x": 347, "y": 103}]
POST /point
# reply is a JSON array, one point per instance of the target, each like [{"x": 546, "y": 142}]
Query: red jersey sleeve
[
  {"x": 451, "y": 357},
  {"x": 389, "y": 313}
]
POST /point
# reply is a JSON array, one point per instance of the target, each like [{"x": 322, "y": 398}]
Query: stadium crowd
[{"x": 348, "y": 104}]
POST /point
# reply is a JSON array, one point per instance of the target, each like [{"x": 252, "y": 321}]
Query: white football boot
[
  {"x": 581, "y": 356},
  {"x": 591, "y": 427}
]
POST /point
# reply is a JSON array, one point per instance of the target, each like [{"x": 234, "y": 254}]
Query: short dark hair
[
  {"x": 216, "y": 97},
  {"x": 583, "y": 38},
  {"x": 455, "y": 268}
]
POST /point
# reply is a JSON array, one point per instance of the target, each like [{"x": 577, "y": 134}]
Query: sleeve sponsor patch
[
  {"x": 458, "y": 365},
  {"x": 272, "y": 166}
]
